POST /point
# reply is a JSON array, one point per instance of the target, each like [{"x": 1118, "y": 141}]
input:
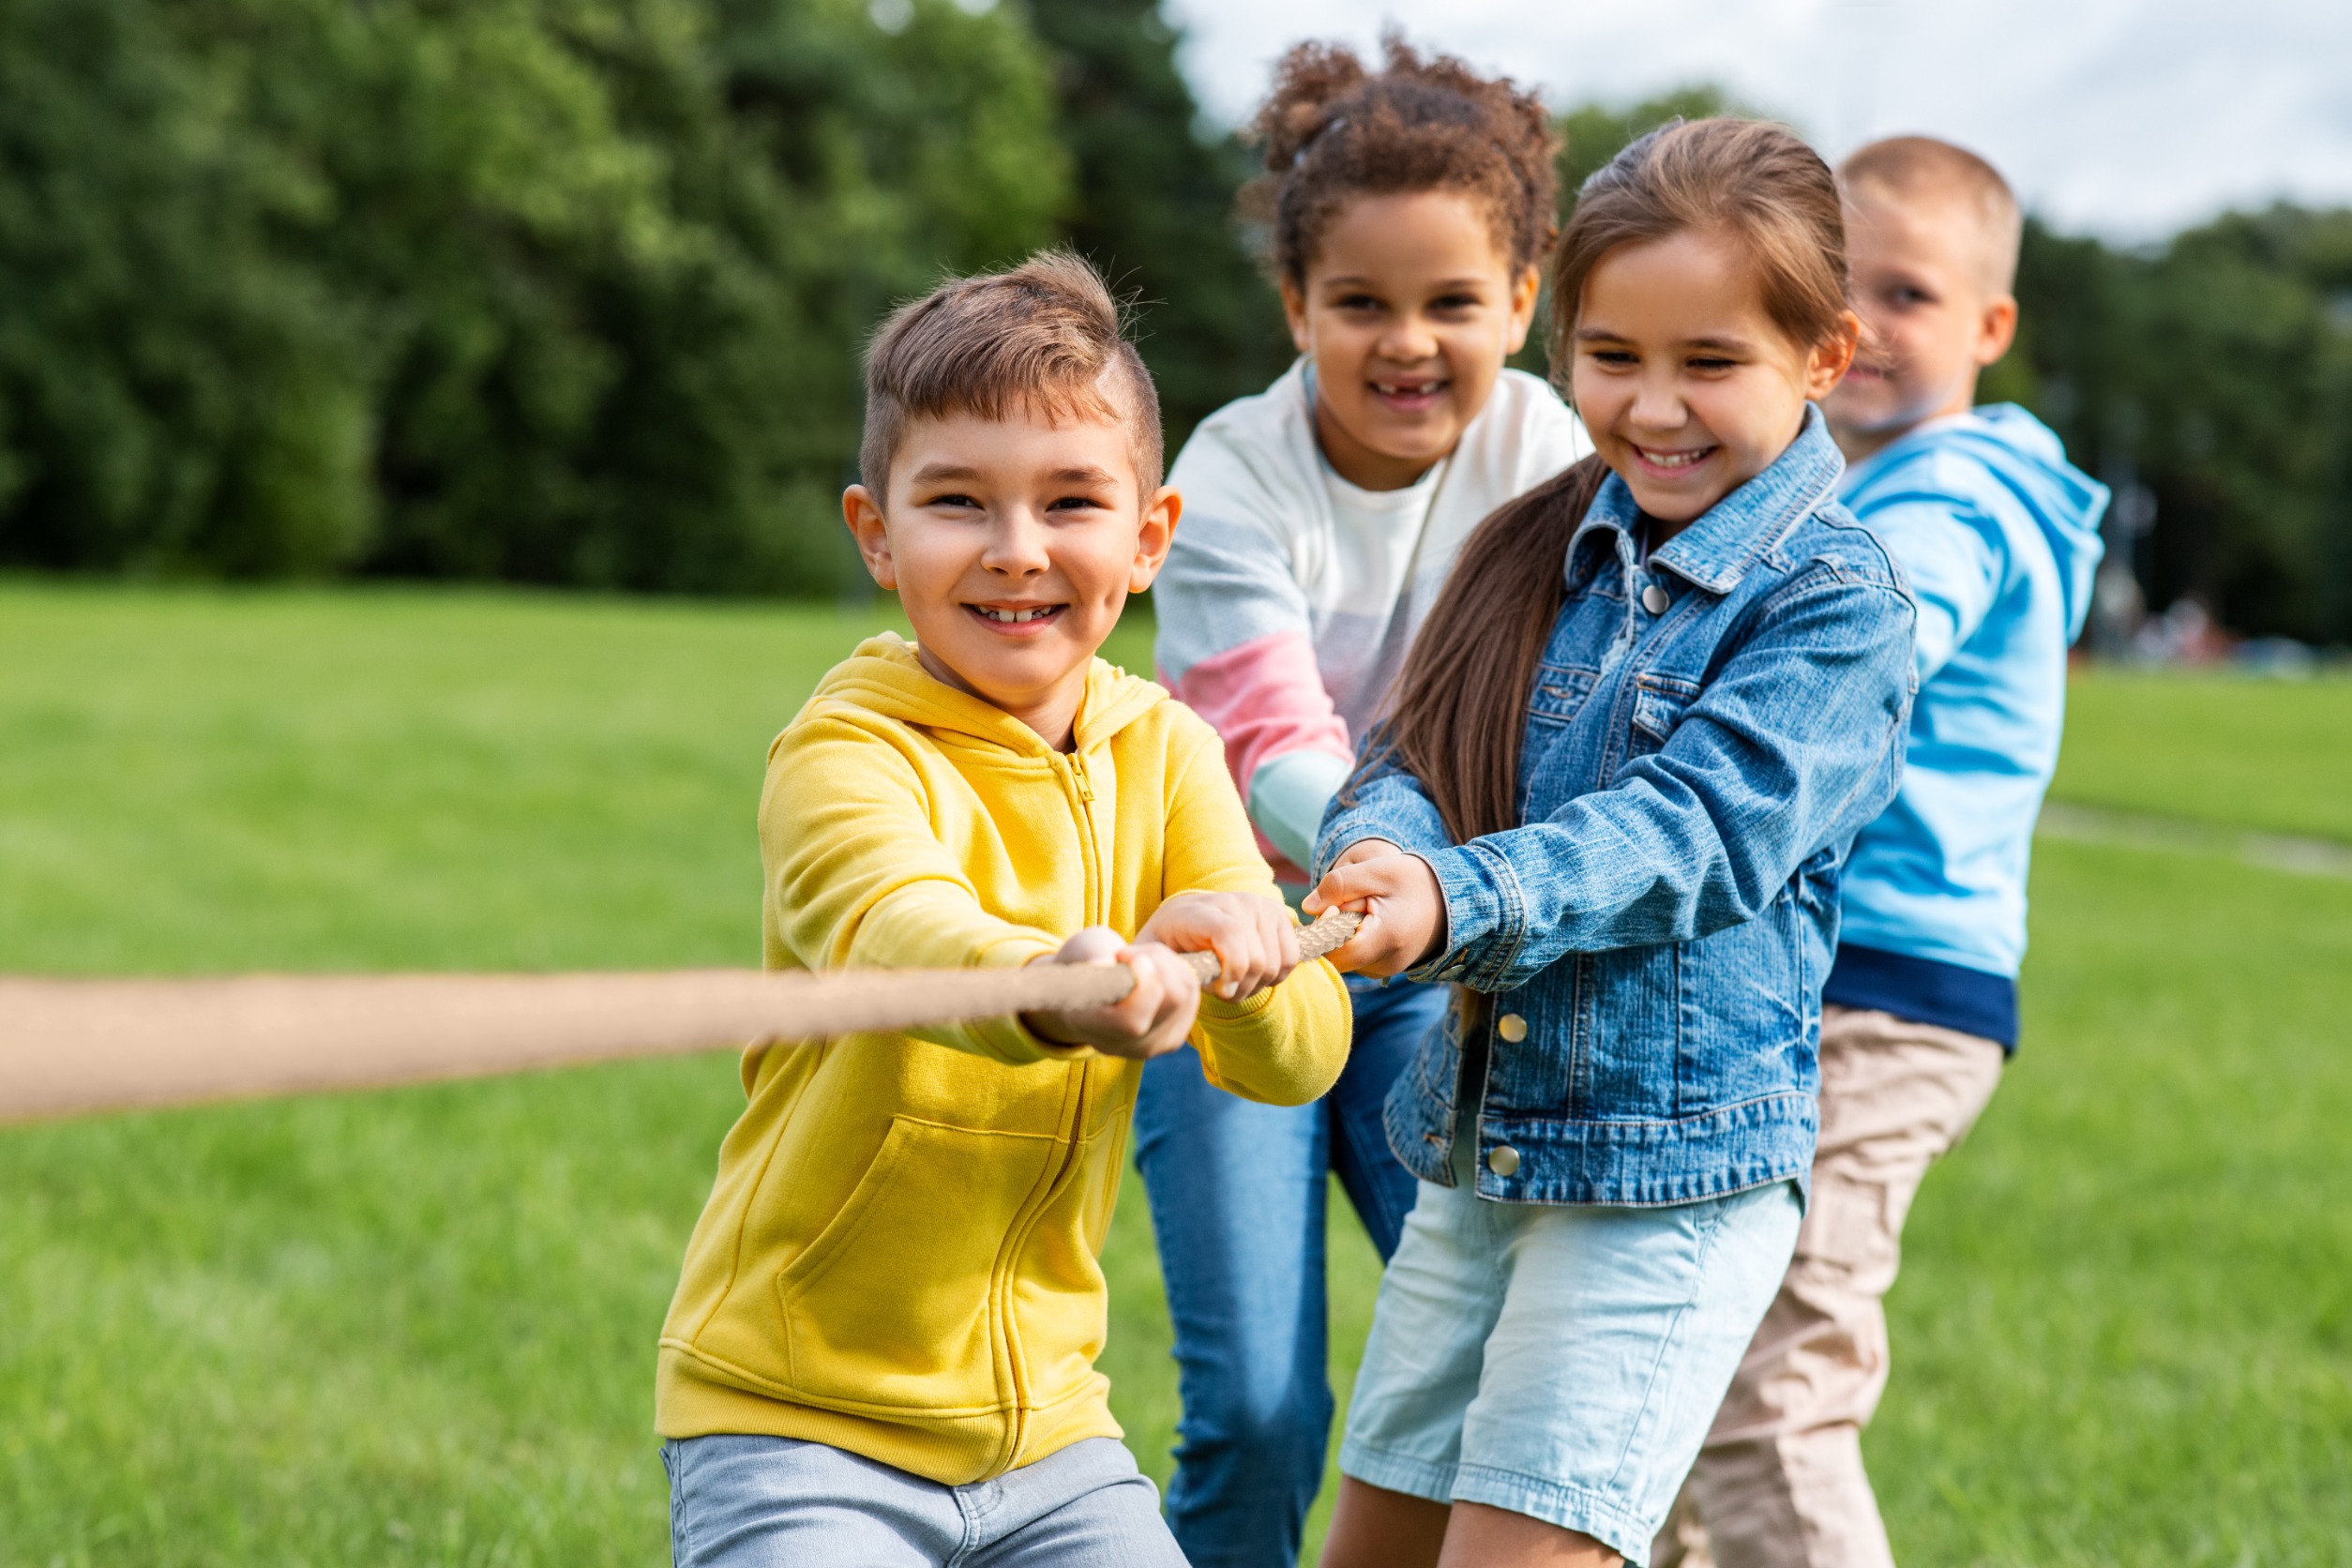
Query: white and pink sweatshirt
[{"x": 1290, "y": 597}]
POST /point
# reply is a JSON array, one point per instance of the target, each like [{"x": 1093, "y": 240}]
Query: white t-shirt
[{"x": 1290, "y": 595}]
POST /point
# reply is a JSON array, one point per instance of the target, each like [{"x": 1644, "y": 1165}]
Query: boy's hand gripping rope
[{"x": 74, "y": 1047}]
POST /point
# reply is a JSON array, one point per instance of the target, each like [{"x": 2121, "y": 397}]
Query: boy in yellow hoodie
[{"x": 881, "y": 1350}]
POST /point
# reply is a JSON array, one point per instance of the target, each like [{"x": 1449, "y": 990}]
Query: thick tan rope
[{"x": 75, "y": 1046}]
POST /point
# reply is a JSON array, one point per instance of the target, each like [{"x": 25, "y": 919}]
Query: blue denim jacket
[{"x": 1650, "y": 944}]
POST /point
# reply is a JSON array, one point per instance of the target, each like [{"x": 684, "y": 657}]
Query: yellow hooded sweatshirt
[{"x": 898, "y": 1257}]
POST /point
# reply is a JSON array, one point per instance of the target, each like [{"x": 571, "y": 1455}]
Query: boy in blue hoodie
[{"x": 2000, "y": 537}]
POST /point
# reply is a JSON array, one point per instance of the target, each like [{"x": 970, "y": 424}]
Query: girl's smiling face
[
  {"x": 1409, "y": 308},
  {"x": 1688, "y": 386}
]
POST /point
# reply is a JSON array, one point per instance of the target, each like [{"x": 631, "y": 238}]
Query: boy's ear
[
  {"x": 1832, "y": 358},
  {"x": 1294, "y": 312},
  {"x": 1997, "y": 329},
  {"x": 864, "y": 515},
  {"x": 1525, "y": 291},
  {"x": 1153, "y": 539}
]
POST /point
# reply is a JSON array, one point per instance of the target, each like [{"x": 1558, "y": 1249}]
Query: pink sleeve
[{"x": 1264, "y": 698}]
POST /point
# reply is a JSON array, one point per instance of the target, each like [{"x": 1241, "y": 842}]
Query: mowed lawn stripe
[{"x": 2268, "y": 755}]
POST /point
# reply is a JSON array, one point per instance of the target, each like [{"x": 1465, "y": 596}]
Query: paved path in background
[{"x": 2275, "y": 852}]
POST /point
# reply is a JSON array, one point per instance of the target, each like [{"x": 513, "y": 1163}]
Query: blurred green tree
[
  {"x": 572, "y": 291},
  {"x": 1592, "y": 133},
  {"x": 1153, "y": 204},
  {"x": 174, "y": 387},
  {"x": 2216, "y": 370},
  {"x": 564, "y": 290}
]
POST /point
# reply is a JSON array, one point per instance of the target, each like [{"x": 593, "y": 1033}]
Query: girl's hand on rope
[
  {"x": 1149, "y": 1020},
  {"x": 1254, "y": 938},
  {"x": 1397, "y": 894}
]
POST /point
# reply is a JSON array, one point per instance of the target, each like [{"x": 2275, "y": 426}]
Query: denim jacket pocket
[
  {"x": 1658, "y": 704},
  {"x": 1560, "y": 692}
]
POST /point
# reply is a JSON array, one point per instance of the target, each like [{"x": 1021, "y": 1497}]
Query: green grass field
[{"x": 416, "y": 1327}]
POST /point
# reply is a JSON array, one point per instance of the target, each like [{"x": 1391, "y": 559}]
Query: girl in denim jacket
[{"x": 1629, "y": 751}]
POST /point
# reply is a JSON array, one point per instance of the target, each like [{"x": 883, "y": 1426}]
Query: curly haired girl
[{"x": 1407, "y": 210}]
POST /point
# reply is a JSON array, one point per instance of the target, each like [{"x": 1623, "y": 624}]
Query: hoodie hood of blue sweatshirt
[
  {"x": 2026, "y": 456},
  {"x": 1998, "y": 536}
]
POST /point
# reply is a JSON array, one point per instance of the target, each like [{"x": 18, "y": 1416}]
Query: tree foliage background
[
  {"x": 558, "y": 290},
  {"x": 572, "y": 291}
]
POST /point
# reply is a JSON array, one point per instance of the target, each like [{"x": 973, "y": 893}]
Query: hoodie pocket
[{"x": 894, "y": 1305}]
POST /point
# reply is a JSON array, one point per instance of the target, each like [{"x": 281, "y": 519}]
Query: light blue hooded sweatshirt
[{"x": 2000, "y": 537}]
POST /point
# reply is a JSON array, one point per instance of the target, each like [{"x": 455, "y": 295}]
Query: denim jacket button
[
  {"x": 1513, "y": 1028},
  {"x": 1655, "y": 600},
  {"x": 1504, "y": 1160}
]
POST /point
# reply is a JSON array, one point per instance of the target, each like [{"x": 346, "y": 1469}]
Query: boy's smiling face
[
  {"x": 1013, "y": 544},
  {"x": 1935, "y": 309}
]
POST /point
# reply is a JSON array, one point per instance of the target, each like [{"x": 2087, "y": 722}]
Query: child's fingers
[
  {"x": 1240, "y": 931},
  {"x": 1361, "y": 950},
  {"x": 1182, "y": 994},
  {"x": 1274, "y": 942},
  {"x": 1094, "y": 944},
  {"x": 1139, "y": 1009},
  {"x": 1280, "y": 934},
  {"x": 1343, "y": 886},
  {"x": 1356, "y": 853},
  {"x": 1234, "y": 945},
  {"x": 1250, "y": 947},
  {"x": 1170, "y": 994}
]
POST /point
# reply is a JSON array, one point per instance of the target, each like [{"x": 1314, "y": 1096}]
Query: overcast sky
[{"x": 2127, "y": 118}]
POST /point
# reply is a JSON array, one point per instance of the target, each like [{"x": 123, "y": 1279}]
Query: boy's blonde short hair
[
  {"x": 1045, "y": 337},
  {"x": 1912, "y": 167}
]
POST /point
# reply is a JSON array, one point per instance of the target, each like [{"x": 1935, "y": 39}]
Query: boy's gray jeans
[
  {"x": 767, "y": 1502},
  {"x": 1780, "y": 1482}
]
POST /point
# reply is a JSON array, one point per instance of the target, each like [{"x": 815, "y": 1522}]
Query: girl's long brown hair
[
  {"x": 1460, "y": 709},
  {"x": 1459, "y": 714}
]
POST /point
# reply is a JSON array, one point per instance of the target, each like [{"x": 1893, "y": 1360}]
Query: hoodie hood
[
  {"x": 2025, "y": 457},
  {"x": 883, "y": 676}
]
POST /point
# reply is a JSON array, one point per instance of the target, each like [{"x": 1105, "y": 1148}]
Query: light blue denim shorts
[{"x": 1565, "y": 1363}]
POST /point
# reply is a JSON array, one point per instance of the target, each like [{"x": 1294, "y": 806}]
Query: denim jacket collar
[{"x": 1715, "y": 552}]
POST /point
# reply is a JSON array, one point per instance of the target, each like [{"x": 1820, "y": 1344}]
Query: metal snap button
[
  {"x": 1512, "y": 1027},
  {"x": 1655, "y": 600},
  {"x": 1504, "y": 1160}
]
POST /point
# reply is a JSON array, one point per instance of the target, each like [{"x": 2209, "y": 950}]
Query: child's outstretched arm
[
  {"x": 1283, "y": 1045},
  {"x": 1252, "y": 937},
  {"x": 1794, "y": 747},
  {"x": 856, "y": 876},
  {"x": 1151, "y": 1021}
]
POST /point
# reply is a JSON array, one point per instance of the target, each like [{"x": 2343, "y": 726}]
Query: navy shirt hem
[{"x": 1925, "y": 990}]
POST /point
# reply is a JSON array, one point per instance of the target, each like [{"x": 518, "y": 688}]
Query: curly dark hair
[{"x": 1333, "y": 130}]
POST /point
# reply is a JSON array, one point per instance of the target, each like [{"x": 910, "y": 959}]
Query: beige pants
[{"x": 1780, "y": 1482}]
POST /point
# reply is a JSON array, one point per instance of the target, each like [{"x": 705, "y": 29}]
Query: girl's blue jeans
[{"x": 1236, "y": 1194}]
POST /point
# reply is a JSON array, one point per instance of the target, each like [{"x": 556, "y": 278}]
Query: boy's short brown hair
[
  {"x": 1045, "y": 337},
  {"x": 1915, "y": 166}
]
